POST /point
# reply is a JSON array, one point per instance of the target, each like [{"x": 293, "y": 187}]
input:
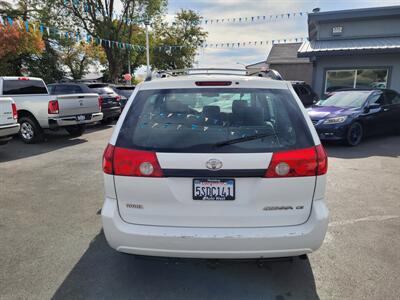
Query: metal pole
[
  {"x": 129, "y": 82},
  {"x": 147, "y": 48}
]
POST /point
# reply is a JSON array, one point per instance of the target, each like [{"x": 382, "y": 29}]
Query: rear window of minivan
[
  {"x": 23, "y": 87},
  {"x": 199, "y": 120}
]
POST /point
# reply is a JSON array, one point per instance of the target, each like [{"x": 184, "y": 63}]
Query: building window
[{"x": 356, "y": 78}]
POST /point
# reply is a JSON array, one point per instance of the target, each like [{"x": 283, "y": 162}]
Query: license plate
[
  {"x": 81, "y": 118},
  {"x": 214, "y": 189}
]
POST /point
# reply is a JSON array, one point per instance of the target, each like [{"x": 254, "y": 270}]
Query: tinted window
[
  {"x": 392, "y": 97},
  {"x": 23, "y": 87},
  {"x": 124, "y": 92},
  {"x": 301, "y": 90},
  {"x": 102, "y": 89},
  {"x": 51, "y": 89},
  {"x": 347, "y": 99},
  {"x": 67, "y": 89},
  {"x": 190, "y": 120}
]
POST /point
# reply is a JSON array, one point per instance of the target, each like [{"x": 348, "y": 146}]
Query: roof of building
[
  {"x": 354, "y": 46},
  {"x": 257, "y": 64},
  {"x": 328, "y": 16},
  {"x": 285, "y": 53}
]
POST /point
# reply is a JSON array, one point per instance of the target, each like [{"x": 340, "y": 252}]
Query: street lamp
[{"x": 147, "y": 23}]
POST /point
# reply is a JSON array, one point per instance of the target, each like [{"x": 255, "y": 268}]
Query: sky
[{"x": 256, "y": 31}]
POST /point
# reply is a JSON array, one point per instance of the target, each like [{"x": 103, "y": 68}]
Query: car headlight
[{"x": 336, "y": 120}]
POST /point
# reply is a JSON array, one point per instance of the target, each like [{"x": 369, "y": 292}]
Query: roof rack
[
  {"x": 204, "y": 71},
  {"x": 268, "y": 73}
]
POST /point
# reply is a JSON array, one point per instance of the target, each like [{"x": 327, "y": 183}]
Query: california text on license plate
[{"x": 213, "y": 189}]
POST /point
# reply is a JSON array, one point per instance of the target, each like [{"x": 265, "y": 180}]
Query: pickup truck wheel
[
  {"x": 30, "y": 131},
  {"x": 75, "y": 130}
]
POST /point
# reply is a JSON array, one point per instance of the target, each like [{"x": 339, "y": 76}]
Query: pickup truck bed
[{"x": 38, "y": 110}]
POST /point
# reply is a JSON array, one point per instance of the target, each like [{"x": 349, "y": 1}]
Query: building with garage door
[{"x": 358, "y": 48}]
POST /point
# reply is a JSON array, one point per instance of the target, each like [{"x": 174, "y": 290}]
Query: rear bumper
[
  {"x": 215, "y": 242},
  {"x": 72, "y": 120},
  {"x": 8, "y": 130},
  {"x": 111, "y": 112}
]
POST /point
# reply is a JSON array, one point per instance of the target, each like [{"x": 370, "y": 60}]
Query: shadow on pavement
[
  {"x": 103, "y": 273},
  {"x": 388, "y": 145},
  {"x": 16, "y": 149},
  {"x": 54, "y": 140},
  {"x": 99, "y": 126}
]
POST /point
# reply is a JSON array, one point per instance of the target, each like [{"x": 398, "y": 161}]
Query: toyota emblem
[{"x": 214, "y": 164}]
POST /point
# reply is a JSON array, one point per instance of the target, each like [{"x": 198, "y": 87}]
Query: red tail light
[
  {"x": 23, "y": 78},
  {"x": 126, "y": 162},
  {"x": 14, "y": 111},
  {"x": 298, "y": 163},
  {"x": 213, "y": 83},
  {"x": 322, "y": 160},
  {"x": 118, "y": 98},
  {"x": 100, "y": 99},
  {"x": 108, "y": 159},
  {"x": 53, "y": 107}
]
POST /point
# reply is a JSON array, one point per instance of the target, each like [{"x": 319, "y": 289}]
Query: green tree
[
  {"x": 184, "y": 32},
  {"x": 97, "y": 17},
  {"x": 47, "y": 65},
  {"x": 78, "y": 57}
]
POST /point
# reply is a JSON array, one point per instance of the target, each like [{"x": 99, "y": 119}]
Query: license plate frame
[{"x": 222, "y": 183}]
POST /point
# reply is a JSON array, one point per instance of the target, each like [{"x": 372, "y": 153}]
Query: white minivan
[{"x": 215, "y": 166}]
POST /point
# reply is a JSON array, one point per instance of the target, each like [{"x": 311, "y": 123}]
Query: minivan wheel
[
  {"x": 30, "y": 131},
  {"x": 354, "y": 134},
  {"x": 75, "y": 130}
]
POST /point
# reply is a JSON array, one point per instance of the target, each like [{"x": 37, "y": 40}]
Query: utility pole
[
  {"x": 147, "y": 23},
  {"x": 129, "y": 82}
]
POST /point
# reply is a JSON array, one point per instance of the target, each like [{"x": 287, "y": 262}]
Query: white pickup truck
[
  {"x": 8, "y": 120},
  {"x": 38, "y": 110}
]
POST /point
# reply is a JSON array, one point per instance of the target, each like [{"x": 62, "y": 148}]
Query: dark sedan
[
  {"x": 351, "y": 115},
  {"x": 125, "y": 91},
  {"x": 111, "y": 101}
]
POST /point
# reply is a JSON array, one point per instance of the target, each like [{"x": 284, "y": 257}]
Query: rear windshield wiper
[{"x": 244, "y": 139}]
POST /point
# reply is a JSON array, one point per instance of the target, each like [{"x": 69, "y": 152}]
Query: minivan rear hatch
[{"x": 210, "y": 152}]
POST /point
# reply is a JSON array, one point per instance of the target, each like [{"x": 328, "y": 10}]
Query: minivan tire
[
  {"x": 354, "y": 134},
  {"x": 30, "y": 131},
  {"x": 75, "y": 130}
]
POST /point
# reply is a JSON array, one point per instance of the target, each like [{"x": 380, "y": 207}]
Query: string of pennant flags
[
  {"x": 253, "y": 19},
  {"x": 253, "y": 43},
  {"x": 86, "y": 8},
  {"x": 82, "y": 36}
]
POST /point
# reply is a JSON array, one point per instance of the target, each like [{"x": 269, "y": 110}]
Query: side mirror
[{"x": 372, "y": 106}]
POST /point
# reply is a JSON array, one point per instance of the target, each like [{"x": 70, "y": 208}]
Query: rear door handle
[{"x": 385, "y": 109}]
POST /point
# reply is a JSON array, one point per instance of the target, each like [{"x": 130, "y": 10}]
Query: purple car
[{"x": 353, "y": 114}]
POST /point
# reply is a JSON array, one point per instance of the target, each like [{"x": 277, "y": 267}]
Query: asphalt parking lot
[{"x": 52, "y": 244}]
